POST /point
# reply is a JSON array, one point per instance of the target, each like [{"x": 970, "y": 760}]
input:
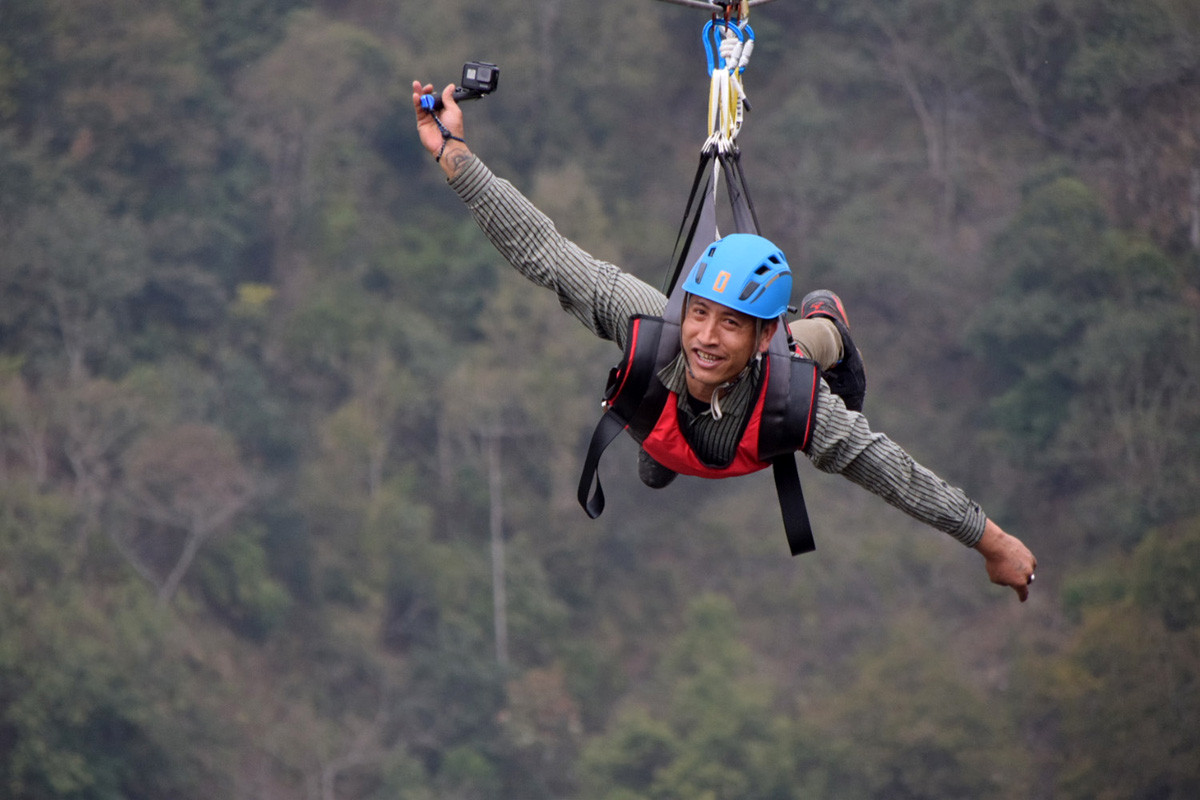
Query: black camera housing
[{"x": 480, "y": 77}]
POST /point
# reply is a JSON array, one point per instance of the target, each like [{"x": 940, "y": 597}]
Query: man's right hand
[{"x": 453, "y": 153}]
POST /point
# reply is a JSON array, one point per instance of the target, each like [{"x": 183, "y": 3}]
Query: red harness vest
[{"x": 667, "y": 445}]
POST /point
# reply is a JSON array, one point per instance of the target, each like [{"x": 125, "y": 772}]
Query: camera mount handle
[{"x": 433, "y": 102}]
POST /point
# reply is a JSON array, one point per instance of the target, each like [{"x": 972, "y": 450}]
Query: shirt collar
[{"x": 734, "y": 400}]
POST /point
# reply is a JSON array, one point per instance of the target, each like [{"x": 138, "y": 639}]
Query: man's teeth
[{"x": 708, "y": 358}]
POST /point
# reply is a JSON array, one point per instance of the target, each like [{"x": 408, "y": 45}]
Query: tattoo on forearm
[{"x": 458, "y": 160}]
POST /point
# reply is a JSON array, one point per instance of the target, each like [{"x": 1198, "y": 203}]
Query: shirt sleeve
[
  {"x": 843, "y": 443},
  {"x": 599, "y": 294}
]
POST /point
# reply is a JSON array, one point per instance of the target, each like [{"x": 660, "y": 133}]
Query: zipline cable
[{"x": 709, "y": 6}]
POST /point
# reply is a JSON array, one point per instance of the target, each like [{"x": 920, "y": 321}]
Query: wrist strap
[{"x": 446, "y": 137}]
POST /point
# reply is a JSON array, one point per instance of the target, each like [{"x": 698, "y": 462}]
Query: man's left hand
[{"x": 1008, "y": 561}]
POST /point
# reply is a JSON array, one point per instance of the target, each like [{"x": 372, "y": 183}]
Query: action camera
[{"x": 479, "y": 78}]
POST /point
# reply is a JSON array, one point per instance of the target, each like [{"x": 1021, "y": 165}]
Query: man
[{"x": 716, "y": 376}]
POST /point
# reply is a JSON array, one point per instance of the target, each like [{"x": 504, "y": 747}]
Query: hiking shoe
[
  {"x": 847, "y": 378},
  {"x": 824, "y": 303},
  {"x": 652, "y": 473}
]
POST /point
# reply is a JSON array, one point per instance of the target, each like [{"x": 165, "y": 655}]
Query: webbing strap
[
  {"x": 684, "y": 253},
  {"x": 700, "y": 209},
  {"x": 783, "y": 430},
  {"x": 791, "y": 503},
  {"x": 745, "y": 220},
  {"x": 608, "y": 429},
  {"x": 698, "y": 228}
]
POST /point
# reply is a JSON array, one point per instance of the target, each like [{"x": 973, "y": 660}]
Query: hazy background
[{"x": 267, "y": 394}]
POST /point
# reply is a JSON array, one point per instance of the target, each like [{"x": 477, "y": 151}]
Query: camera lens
[{"x": 484, "y": 74}]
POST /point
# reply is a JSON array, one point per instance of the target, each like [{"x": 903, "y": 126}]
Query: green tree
[
  {"x": 304, "y": 108},
  {"x": 136, "y": 107},
  {"x": 234, "y": 33},
  {"x": 716, "y": 729},
  {"x": 187, "y": 479},
  {"x": 236, "y": 580},
  {"x": 28, "y": 75},
  {"x": 911, "y": 724},
  {"x": 91, "y": 691},
  {"x": 1126, "y": 680},
  {"x": 72, "y": 272},
  {"x": 1088, "y": 335}
]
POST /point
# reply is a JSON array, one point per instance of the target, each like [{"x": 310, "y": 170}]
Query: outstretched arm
[
  {"x": 599, "y": 294},
  {"x": 842, "y": 442},
  {"x": 452, "y": 153}
]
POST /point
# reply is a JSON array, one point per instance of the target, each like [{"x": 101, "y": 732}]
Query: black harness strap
[
  {"x": 791, "y": 503},
  {"x": 781, "y": 434},
  {"x": 608, "y": 429},
  {"x": 687, "y": 248},
  {"x": 744, "y": 218},
  {"x": 634, "y": 398}
]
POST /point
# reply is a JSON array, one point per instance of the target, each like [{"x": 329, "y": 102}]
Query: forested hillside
[{"x": 288, "y": 454}]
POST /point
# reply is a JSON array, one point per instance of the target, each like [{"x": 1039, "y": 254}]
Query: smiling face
[{"x": 718, "y": 343}]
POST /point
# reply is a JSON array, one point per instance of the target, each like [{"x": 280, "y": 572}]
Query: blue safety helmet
[{"x": 744, "y": 272}]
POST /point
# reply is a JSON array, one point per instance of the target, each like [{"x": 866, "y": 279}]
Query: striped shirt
[{"x": 603, "y": 297}]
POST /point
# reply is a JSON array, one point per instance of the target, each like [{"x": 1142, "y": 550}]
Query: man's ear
[{"x": 768, "y": 330}]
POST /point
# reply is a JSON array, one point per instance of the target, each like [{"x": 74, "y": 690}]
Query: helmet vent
[{"x": 773, "y": 279}]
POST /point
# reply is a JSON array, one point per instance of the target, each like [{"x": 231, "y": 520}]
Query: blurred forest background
[{"x": 270, "y": 404}]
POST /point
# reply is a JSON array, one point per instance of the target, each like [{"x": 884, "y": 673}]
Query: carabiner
[{"x": 712, "y": 43}]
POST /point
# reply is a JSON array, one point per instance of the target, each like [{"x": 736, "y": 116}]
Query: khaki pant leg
[{"x": 818, "y": 339}]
